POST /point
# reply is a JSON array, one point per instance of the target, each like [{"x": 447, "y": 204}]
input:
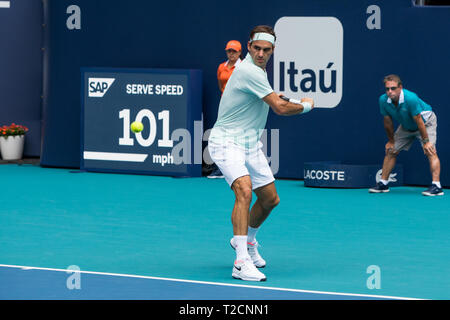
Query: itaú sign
[{"x": 316, "y": 72}]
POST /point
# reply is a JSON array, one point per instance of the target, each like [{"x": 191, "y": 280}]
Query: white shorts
[{"x": 235, "y": 161}]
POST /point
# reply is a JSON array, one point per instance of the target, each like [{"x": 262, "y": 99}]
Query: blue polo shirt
[{"x": 409, "y": 105}]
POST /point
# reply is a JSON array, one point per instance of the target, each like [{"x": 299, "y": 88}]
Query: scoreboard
[{"x": 169, "y": 104}]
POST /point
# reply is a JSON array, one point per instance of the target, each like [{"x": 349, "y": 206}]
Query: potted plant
[{"x": 12, "y": 139}]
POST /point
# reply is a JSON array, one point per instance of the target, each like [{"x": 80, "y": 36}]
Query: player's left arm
[{"x": 428, "y": 147}]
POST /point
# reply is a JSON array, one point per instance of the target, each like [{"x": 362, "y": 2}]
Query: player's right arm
[
  {"x": 286, "y": 108},
  {"x": 389, "y": 127}
]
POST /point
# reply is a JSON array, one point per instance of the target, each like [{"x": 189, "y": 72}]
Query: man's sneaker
[
  {"x": 246, "y": 270},
  {"x": 215, "y": 174},
  {"x": 433, "y": 190},
  {"x": 380, "y": 187},
  {"x": 252, "y": 249}
]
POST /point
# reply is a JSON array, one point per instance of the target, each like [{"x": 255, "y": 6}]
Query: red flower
[{"x": 13, "y": 130}]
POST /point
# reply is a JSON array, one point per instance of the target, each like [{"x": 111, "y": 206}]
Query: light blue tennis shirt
[
  {"x": 242, "y": 113},
  {"x": 409, "y": 105}
]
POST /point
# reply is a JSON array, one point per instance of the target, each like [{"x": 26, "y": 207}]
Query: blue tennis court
[
  {"x": 150, "y": 237},
  {"x": 27, "y": 283}
]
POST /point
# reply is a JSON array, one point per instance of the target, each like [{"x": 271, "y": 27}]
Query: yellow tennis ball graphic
[{"x": 137, "y": 126}]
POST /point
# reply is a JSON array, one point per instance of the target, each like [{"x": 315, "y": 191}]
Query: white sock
[
  {"x": 241, "y": 247},
  {"x": 385, "y": 182},
  {"x": 251, "y": 237},
  {"x": 438, "y": 183}
]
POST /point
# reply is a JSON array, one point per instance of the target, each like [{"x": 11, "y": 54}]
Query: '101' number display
[{"x": 164, "y": 116}]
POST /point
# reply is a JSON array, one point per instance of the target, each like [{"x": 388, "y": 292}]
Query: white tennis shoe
[
  {"x": 252, "y": 249},
  {"x": 246, "y": 270}
]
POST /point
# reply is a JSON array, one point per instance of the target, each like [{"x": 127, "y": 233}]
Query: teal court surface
[{"x": 151, "y": 237}]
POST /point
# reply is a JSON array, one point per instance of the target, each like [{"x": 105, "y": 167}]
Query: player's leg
[
  {"x": 267, "y": 200},
  {"x": 243, "y": 267},
  {"x": 263, "y": 186},
  {"x": 231, "y": 162},
  {"x": 242, "y": 188}
]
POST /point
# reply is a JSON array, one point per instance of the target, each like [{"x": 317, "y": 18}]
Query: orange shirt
[{"x": 224, "y": 73}]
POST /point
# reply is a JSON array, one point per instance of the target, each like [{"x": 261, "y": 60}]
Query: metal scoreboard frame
[{"x": 169, "y": 104}]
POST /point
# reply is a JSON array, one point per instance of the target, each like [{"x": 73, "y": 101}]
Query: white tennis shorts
[{"x": 235, "y": 161}]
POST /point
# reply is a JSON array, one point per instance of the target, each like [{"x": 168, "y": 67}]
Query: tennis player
[{"x": 235, "y": 146}]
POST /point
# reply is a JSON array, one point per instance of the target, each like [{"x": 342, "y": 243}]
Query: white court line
[{"x": 210, "y": 283}]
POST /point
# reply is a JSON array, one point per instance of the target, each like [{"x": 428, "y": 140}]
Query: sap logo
[
  {"x": 308, "y": 60},
  {"x": 99, "y": 86},
  {"x": 391, "y": 177}
]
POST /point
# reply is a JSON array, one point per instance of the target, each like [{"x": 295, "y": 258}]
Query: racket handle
[{"x": 291, "y": 100}]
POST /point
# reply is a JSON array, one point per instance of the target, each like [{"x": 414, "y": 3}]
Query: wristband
[
  {"x": 306, "y": 107},
  {"x": 425, "y": 140}
]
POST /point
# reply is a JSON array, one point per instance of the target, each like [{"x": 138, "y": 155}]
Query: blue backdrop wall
[
  {"x": 21, "y": 69},
  {"x": 410, "y": 41}
]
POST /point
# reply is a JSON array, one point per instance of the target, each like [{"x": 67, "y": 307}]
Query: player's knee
[
  {"x": 245, "y": 195},
  {"x": 243, "y": 192},
  {"x": 276, "y": 201},
  {"x": 272, "y": 202},
  {"x": 432, "y": 156}
]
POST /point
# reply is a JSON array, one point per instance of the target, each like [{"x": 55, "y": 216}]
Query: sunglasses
[
  {"x": 391, "y": 88},
  {"x": 231, "y": 51}
]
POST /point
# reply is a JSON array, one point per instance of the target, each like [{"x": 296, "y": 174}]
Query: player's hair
[
  {"x": 262, "y": 28},
  {"x": 393, "y": 77}
]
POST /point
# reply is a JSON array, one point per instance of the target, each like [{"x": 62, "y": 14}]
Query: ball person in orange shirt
[{"x": 224, "y": 71}]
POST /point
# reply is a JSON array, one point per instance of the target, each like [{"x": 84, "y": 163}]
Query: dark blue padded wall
[
  {"x": 21, "y": 69},
  {"x": 412, "y": 42}
]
